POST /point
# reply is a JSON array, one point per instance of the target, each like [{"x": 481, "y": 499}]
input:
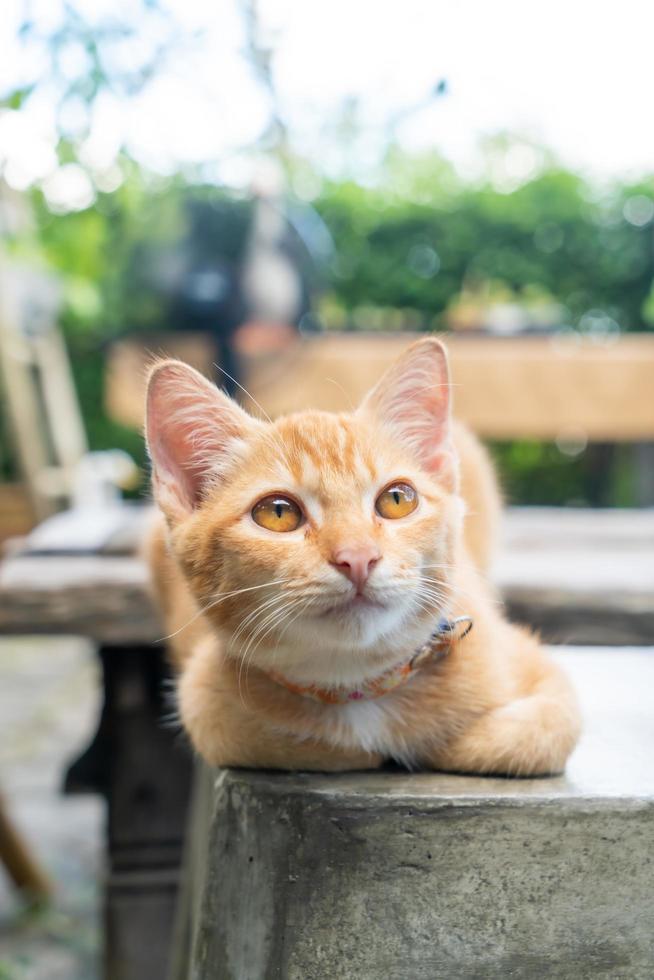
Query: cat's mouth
[{"x": 353, "y": 603}]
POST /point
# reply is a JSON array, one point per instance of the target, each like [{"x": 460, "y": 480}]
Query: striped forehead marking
[{"x": 322, "y": 448}]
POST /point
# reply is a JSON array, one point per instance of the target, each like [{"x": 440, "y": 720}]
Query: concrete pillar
[{"x": 424, "y": 876}]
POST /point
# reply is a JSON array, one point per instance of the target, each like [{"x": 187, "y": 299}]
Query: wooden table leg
[
  {"x": 140, "y": 761},
  {"x": 19, "y": 861}
]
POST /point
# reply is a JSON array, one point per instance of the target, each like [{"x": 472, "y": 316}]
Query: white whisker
[
  {"x": 457, "y": 589},
  {"x": 263, "y": 628},
  {"x": 250, "y": 617},
  {"x": 219, "y": 597},
  {"x": 245, "y": 392}
]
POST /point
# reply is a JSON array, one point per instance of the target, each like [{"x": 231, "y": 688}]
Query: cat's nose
[{"x": 356, "y": 563}]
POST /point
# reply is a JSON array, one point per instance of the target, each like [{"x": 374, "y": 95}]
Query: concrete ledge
[{"x": 425, "y": 876}]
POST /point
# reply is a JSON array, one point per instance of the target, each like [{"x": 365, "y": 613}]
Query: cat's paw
[{"x": 530, "y": 736}]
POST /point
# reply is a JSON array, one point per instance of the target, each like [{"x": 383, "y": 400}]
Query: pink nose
[{"x": 356, "y": 563}]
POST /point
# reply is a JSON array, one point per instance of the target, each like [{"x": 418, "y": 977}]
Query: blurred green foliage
[
  {"x": 556, "y": 236},
  {"x": 413, "y": 244},
  {"x": 539, "y": 473}
]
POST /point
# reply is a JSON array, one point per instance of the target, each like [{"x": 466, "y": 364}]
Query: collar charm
[{"x": 439, "y": 644}]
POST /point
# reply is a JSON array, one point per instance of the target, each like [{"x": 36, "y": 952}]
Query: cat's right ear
[
  {"x": 413, "y": 401},
  {"x": 193, "y": 433}
]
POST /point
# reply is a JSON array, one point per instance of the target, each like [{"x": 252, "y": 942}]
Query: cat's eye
[
  {"x": 397, "y": 500},
  {"x": 277, "y": 513}
]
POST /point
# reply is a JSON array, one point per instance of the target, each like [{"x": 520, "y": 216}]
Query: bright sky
[{"x": 576, "y": 76}]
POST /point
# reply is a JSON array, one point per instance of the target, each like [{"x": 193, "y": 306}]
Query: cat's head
[{"x": 336, "y": 532}]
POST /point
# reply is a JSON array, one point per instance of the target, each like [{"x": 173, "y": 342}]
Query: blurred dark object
[
  {"x": 142, "y": 767},
  {"x": 206, "y": 297},
  {"x": 231, "y": 262}
]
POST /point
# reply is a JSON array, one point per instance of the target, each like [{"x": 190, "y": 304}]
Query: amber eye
[
  {"x": 277, "y": 513},
  {"x": 395, "y": 501}
]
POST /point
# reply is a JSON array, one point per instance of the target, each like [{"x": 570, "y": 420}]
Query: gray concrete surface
[
  {"x": 48, "y": 703},
  {"x": 422, "y": 877}
]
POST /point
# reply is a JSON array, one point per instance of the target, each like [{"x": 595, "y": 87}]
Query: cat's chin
[
  {"x": 358, "y": 622},
  {"x": 343, "y": 646}
]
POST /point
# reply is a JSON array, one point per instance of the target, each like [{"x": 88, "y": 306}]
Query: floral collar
[{"x": 437, "y": 646}]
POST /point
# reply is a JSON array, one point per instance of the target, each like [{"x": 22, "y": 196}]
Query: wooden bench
[
  {"x": 561, "y": 388},
  {"x": 504, "y": 388},
  {"x": 578, "y": 576},
  {"x": 530, "y": 387}
]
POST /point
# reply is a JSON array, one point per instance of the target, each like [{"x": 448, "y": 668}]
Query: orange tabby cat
[{"x": 321, "y": 573}]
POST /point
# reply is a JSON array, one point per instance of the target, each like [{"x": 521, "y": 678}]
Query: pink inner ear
[
  {"x": 413, "y": 399},
  {"x": 175, "y": 460},
  {"x": 424, "y": 415},
  {"x": 191, "y": 430}
]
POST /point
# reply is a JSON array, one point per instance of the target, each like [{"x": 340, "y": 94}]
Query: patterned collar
[{"x": 437, "y": 646}]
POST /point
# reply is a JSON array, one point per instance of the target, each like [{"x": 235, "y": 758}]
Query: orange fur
[{"x": 496, "y": 704}]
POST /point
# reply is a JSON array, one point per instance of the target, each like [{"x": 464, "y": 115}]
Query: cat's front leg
[
  {"x": 531, "y": 735},
  {"x": 229, "y": 728},
  {"x": 242, "y": 739}
]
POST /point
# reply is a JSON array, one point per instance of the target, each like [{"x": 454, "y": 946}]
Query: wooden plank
[
  {"x": 102, "y": 597},
  {"x": 16, "y": 511},
  {"x": 60, "y": 401},
  {"x": 577, "y": 528},
  {"x": 16, "y": 366},
  {"x": 38, "y": 386},
  {"x": 128, "y": 362},
  {"x": 583, "y": 577},
  {"x": 19, "y": 861},
  {"x": 580, "y": 576},
  {"x": 505, "y": 388},
  {"x": 553, "y": 387}
]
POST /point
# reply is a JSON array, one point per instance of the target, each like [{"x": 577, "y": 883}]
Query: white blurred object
[
  {"x": 271, "y": 283},
  {"x": 99, "y": 477},
  {"x": 114, "y": 528}
]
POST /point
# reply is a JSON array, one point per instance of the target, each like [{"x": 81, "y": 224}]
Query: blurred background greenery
[{"x": 414, "y": 246}]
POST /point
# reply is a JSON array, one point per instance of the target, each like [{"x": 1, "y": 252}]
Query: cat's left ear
[
  {"x": 413, "y": 400},
  {"x": 194, "y": 433}
]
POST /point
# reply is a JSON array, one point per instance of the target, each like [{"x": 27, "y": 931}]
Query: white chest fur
[{"x": 366, "y": 725}]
